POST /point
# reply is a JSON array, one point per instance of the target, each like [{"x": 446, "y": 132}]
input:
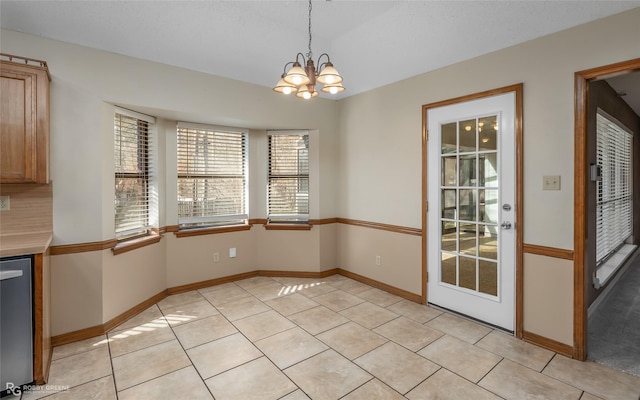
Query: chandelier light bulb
[
  {"x": 306, "y": 95},
  {"x": 333, "y": 89},
  {"x": 284, "y": 87}
]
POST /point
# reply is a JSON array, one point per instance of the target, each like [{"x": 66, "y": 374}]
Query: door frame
[
  {"x": 517, "y": 89},
  {"x": 582, "y": 79}
]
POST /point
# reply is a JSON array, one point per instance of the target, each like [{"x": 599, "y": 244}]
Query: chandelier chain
[{"x": 309, "y": 54}]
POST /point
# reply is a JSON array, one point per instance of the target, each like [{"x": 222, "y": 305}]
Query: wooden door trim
[
  {"x": 582, "y": 79},
  {"x": 518, "y": 89}
]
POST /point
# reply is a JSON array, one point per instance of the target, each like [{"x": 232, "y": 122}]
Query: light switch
[
  {"x": 551, "y": 182},
  {"x": 5, "y": 203},
  {"x": 232, "y": 252}
]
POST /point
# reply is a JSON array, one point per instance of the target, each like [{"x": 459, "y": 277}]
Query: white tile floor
[{"x": 333, "y": 338}]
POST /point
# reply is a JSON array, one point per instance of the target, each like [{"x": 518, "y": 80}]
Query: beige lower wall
[
  {"x": 400, "y": 256},
  {"x": 190, "y": 259},
  {"x": 328, "y": 246},
  {"x": 130, "y": 278},
  {"x": 92, "y": 288},
  {"x": 76, "y": 291},
  {"x": 284, "y": 250},
  {"x": 548, "y": 297}
]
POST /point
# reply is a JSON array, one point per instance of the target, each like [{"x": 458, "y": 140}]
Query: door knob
[{"x": 506, "y": 225}]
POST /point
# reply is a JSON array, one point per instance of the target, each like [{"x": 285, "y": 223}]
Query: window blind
[
  {"x": 212, "y": 175},
  {"x": 614, "y": 203},
  {"x": 132, "y": 175},
  {"x": 288, "y": 178}
]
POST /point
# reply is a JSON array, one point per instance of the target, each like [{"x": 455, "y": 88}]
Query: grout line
[{"x": 289, "y": 318}]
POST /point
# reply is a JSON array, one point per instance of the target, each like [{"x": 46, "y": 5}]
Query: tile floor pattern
[{"x": 335, "y": 338}]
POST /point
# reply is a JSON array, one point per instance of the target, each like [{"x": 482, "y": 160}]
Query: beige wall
[
  {"x": 368, "y": 167},
  {"x": 91, "y": 288},
  {"x": 380, "y": 131},
  {"x": 190, "y": 259},
  {"x": 548, "y": 297},
  {"x": 380, "y": 153},
  {"x": 76, "y": 292},
  {"x": 400, "y": 256},
  {"x": 130, "y": 278}
]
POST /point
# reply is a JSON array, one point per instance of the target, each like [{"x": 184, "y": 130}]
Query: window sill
[
  {"x": 287, "y": 227},
  {"x": 132, "y": 244},
  {"x": 605, "y": 271},
  {"x": 211, "y": 231}
]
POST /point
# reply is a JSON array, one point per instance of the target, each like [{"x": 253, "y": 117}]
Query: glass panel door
[
  {"x": 469, "y": 214},
  {"x": 471, "y": 236}
]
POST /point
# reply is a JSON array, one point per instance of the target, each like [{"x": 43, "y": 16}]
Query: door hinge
[
  {"x": 426, "y": 206},
  {"x": 427, "y": 135},
  {"x": 426, "y": 276}
]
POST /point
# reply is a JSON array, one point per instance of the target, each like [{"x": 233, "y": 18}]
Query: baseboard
[
  {"x": 98, "y": 330},
  {"x": 382, "y": 286},
  {"x": 210, "y": 282},
  {"x": 548, "y": 344},
  {"x": 78, "y": 335},
  {"x": 132, "y": 312},
  {"x": 299, "y": 274}
]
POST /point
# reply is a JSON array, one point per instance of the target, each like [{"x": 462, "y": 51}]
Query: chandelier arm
[
  {"x": 322, "y": 65},
  {"x": 286, "y": 65},
  {"x": 304, "y": 60}
]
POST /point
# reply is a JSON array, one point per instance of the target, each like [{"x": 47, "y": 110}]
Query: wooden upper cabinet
[{"x": 24, "y": 120}]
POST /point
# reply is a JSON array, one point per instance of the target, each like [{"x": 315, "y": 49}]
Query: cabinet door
[
  {"x": 24, "y": 122},
  {"x": 18, "y": 129}
]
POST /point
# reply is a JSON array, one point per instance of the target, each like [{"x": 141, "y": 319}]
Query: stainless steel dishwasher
[{"x": 16, "y": 323}]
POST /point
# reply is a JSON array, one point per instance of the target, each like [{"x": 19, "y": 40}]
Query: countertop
[{"x": 25, "y": 244}]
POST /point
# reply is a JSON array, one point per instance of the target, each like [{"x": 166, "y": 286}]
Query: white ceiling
[{"x": 371, "y": 43}]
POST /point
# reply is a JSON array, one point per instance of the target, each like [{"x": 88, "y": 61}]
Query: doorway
[
  {"x": 586, "y": 84},
  {"x": 472, "y": 158}
]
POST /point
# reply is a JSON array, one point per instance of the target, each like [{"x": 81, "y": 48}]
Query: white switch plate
[
  {"x": 5, "y": 203},
  {"x": 216, "y": 257},
  {"x": 551, "y": 182},
  {"x": 232, "y": 252}
]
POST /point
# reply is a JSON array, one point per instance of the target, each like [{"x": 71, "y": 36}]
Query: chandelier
[{"x": 302, "y": 81}]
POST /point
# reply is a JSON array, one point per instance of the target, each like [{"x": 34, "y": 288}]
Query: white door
[{"x": 471, "y": 251}]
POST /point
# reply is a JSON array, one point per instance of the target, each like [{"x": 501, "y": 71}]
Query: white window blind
[
  {"x": 212, "y": 175},
  {"x": 288, "y": 177},
  {"x": 614, "y": 204},
  {"x": 132, "y": 176}
]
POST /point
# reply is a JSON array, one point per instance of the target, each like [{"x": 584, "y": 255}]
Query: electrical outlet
[
  {"x": 378, "y": 260},
  {"x": 551, "y": 182},
  {"x": 216, "y": 257},
  {"x": 5, "y": 203}
]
